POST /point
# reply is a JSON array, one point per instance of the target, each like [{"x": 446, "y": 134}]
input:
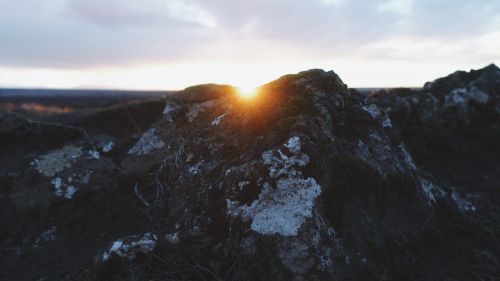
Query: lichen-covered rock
[
  {"x": 147, "y": 143},
  {"x": 130, "y": 247},
  {"x": 305, "y": 181},
  {"x": 57, "y": 161},
  {"x": 283, "y": 209}
]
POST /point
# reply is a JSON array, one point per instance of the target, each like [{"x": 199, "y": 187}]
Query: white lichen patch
[
  {"x": 373, "y": 110},
  {"x": 46, "y": 236},
  {"x": 61, "y": 189},
  {"x": 294, "y": 145},
  {"x": 196, "y": 109},
  {"x": 461, "y": 203},
  {"x": 195, "y": 169},
  {"x": 70, "y": 192},
  {"x": 108, "y": 146},
  {"x": 58, "y": 183},
  {"x": 377, "y": 113},
  {"x": 170, "y": 109},
  {"x": 94, "y": 154},
  {"x": 147, "y": 143},
  {"x": 283, "y": 209},
  {"x": 56, "y": 161},
  {"x": 427, "y": 188},
  {"x": 242, "y": 184},
  {"x": 173, "y": 238},
  {"x": 217, "y": 120},
  {"x": 386, "y": 123},
  {"x": 407, "y": 157},
  {"x": 130, "y": 248},
  {"x": 376, "y": 136},
  {"x": 461, "y": 97},
  {"x": 430, "y": 190}
]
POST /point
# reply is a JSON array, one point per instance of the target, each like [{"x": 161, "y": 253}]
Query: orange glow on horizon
[{"x": 248, "y": 92}]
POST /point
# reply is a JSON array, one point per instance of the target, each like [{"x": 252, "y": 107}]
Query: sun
[{"x": 247, "y": 92}]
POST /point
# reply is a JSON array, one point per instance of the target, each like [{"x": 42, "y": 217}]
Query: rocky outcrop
[
  {"x": 451, "y": 129},
  {"x": 304, "y": 181}
]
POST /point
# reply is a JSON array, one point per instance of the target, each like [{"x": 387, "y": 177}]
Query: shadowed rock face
[{"x": 304, "y": 181}]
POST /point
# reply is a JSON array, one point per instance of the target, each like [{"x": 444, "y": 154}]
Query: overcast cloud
[{"x": 86, "y": 34}]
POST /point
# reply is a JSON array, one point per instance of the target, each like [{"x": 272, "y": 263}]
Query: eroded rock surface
[{"x": 305, "y": 181}]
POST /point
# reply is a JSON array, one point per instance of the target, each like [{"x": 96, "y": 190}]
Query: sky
[{"x": 172, "y": 44}]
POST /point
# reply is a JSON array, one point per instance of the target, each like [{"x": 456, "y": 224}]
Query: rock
[
  {"x": 204, "y": 93},
  {"x": 306, "y": 181},
  {"x": 130, "y": 247}
]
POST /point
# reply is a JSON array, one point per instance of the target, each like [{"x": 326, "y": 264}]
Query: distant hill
[{"x": 5, "y": 92}]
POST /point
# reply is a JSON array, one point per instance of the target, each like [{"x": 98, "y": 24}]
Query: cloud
[
  {"x": 74, "y": 33},
  {"x": 94, "y": 33},
  {"x": 161, "y": 13}
]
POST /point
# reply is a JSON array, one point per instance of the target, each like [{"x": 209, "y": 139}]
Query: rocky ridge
[{"x": 305, "y": 181}]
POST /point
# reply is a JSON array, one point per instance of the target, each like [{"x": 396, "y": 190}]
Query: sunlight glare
[{"x": 247, "y": 92}]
